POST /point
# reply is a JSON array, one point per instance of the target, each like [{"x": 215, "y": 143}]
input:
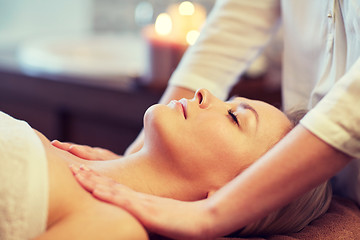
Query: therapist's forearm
[{"x": 297, "y": 164}]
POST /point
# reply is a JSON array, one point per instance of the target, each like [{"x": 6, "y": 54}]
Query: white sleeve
[
  {"x": 234, "y": 34},
  {"x": 336, "y": 118}
]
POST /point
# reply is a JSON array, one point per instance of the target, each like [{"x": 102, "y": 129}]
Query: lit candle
[
  {"x": 163, "y": 24},
  {"x": 187, "y": 18},
  {"x": 168, "y": 39}
]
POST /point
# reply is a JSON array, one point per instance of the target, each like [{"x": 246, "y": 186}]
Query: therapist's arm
[{"x": 297, "y": 164}]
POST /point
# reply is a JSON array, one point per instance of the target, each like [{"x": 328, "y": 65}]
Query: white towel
[{"x": 23, "y": 181}]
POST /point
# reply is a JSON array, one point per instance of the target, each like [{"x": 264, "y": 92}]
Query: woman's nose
[{"x": 203, "y": 97}]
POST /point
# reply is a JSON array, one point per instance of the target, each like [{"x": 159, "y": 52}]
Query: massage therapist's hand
[
  {"x": 86, "y": 152},
  {"x": 164, "y": 216}
]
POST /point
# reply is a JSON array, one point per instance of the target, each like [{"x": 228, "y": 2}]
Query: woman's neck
[{"x": 150, "y": 173}]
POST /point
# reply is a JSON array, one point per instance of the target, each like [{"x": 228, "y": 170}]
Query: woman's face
[{"x": 207, "y": 134}]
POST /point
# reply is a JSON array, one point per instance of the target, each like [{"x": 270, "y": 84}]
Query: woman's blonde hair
[{"x": 297, "y": 214}]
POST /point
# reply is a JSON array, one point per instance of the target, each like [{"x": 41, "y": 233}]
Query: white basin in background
[{"x": 90, "y": 57}]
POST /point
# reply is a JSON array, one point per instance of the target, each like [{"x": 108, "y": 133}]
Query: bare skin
[
  {"x": 75, "y": 214},
  {"x": 237, "y": 140},
  {"x": 215, "y": 216},
  {"x": 171, "y": 93}
]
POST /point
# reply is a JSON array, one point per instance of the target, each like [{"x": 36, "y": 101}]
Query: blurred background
[
  {"x": 23, "y": 19},
  {"x": 85, "y": 71}
]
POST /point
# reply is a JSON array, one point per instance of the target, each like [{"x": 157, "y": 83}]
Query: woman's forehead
[{"x": 238, "y": 101}]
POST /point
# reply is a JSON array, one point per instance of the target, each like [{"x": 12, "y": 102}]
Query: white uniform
[{"x": 321, "y": 57}]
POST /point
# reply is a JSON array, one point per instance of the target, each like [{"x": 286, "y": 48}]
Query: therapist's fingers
[
  {"x": 61, "y": 145},
  {"x": 164, "y": 216},
  {"x": 172, "y": 216},
  {"x": 86, "y": 152},
  {"x": 101, "y": 185},
  {"x": 89, "y": 179},
  {"x": 93, "y": 153}
]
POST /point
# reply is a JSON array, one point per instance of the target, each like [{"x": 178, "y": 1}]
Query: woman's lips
[
  {"x": 183, "y": 102},
  {"x": 181, "y": 106}
]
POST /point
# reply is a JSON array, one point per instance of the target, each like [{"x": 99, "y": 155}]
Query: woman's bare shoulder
[
  {"x": 97, "y": 220},
  {"x": 75, "y": 214}
]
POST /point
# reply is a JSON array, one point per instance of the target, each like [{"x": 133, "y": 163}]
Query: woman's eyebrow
[{"x": 247, "y": 106}]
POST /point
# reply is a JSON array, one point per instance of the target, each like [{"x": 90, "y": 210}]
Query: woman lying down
[{"x": 192, "y": 148}]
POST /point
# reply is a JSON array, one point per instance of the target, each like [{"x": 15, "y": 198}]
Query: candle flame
[
  {"x": 186, "y": 8},
  {"x": 163, "y": 24},
  {"x": 192, "y": 36}
]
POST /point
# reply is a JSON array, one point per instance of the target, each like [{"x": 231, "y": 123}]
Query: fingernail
[
  {"x": 84, "y": 167},
  {"x": 74, "y": 168},
  {"x": 79, "y": 176}
]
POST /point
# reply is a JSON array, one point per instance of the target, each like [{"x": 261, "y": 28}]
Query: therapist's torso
[{"x": 321, "y": 43}]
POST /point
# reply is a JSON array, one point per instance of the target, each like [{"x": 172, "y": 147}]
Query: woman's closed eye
[{"x": 233, "y": 117}]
